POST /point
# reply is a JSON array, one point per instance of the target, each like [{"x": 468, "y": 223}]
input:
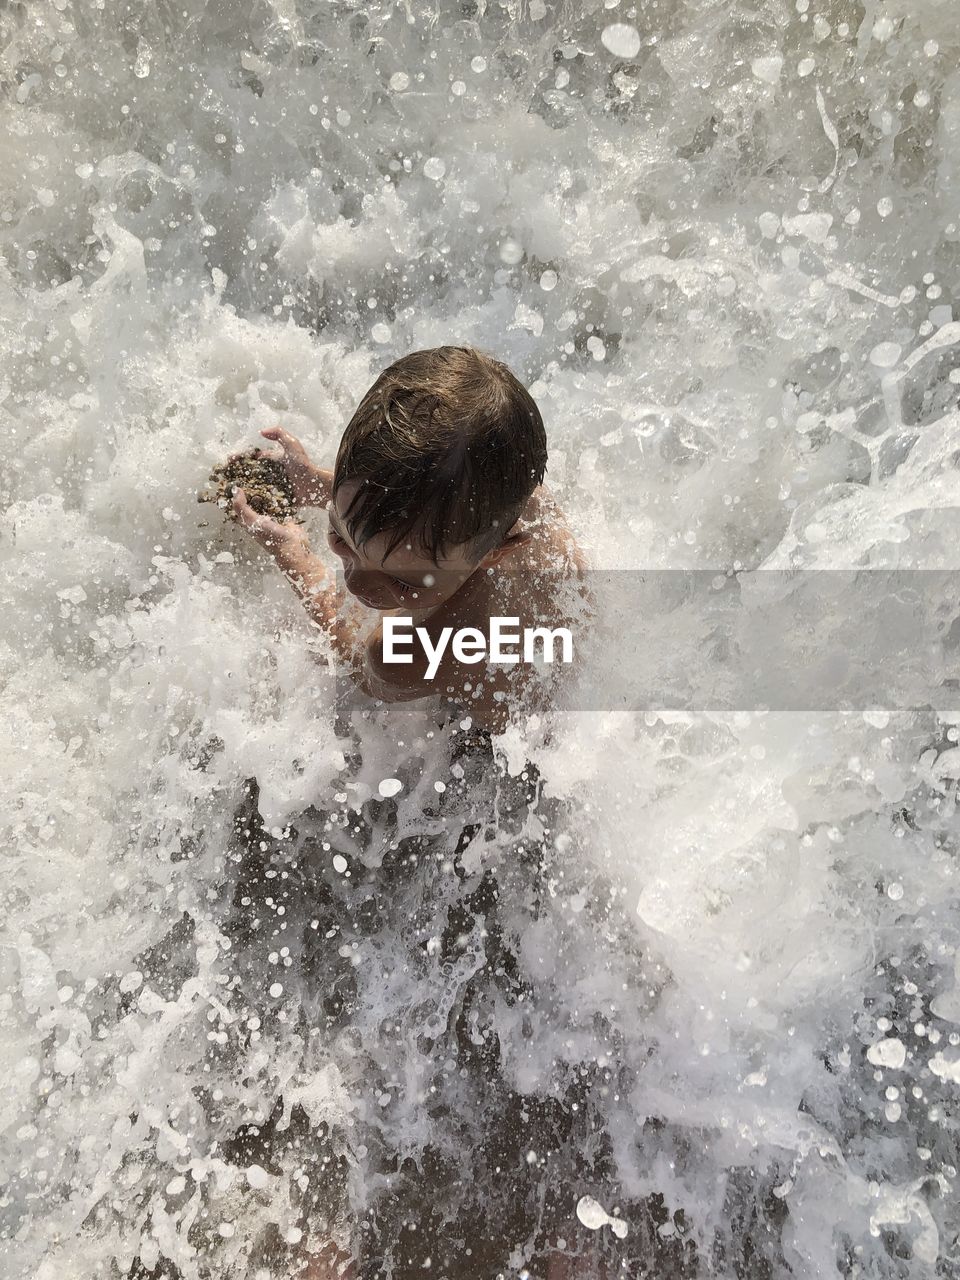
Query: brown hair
[{"x": 447, "y": 446}]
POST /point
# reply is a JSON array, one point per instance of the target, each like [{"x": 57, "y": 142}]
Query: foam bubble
[
  {"x": 885, "y": 354},
  {"x": 621, "y": 39},
  {"x": 890, "y": 1053}
]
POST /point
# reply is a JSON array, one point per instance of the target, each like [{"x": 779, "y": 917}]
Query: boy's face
[{"x": 406, "y": 578}]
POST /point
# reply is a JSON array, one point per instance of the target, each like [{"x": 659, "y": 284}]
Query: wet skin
[{"x": 521, "y": 578}]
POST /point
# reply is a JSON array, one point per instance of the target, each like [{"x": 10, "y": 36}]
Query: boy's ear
[{"x": 510, "y": 543}]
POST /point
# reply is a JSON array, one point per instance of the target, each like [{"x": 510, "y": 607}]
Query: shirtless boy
[{"x": 437, "y": 511}]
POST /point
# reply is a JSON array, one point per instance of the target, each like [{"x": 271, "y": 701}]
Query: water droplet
[
  {"x": 591, "y": 1213},
  {"x": 883, "y": 29},
  {"x": 889, "y": 1053},
  {"x": 621, "y": 39},
  {"x": 885, "y": 355},
  {"x": 511, "y": 252}
]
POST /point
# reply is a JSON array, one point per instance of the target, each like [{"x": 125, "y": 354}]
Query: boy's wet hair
[{"x": 447, "y": 446}]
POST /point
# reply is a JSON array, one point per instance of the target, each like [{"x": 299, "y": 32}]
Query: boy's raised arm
[{"x": 310, "y": 578}]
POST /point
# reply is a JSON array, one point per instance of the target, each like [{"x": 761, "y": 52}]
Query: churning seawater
[{"x": 700, "y": 968}]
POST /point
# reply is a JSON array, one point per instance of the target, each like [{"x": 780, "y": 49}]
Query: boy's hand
[
  {"x": 311, "y": 579},
  {"x": 284, "y": 541},
  {"x": 312, "y": 486}
]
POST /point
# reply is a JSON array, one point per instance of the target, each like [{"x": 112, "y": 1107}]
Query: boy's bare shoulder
[
  {"x": 550, "y": 559},
  {"x": 538, "y": 582},
  {"x": 551, "y": 546}
]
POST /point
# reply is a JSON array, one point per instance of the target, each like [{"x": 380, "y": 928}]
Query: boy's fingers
[
  {"x": 276, "y": 433},
  {"x": 248, "y": 517},
  {"x": 262, "y": 527},
  {"x": 288, "y": 442}
]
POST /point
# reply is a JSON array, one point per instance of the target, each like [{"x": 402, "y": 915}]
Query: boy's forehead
[{"x": 404, "y": 557}]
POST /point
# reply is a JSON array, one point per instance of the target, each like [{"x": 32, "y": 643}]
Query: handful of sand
[{"x": 263, "y": 480}]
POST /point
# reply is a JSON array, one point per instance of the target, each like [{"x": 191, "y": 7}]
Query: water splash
[{"x": 690, "y": 250}]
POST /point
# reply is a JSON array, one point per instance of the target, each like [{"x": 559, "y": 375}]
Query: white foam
[{"x": 739, "y": 362}]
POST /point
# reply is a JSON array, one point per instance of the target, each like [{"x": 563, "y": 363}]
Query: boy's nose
[
  {"x": 348, "y": 558},
  {"x": 362, "y": 580}
]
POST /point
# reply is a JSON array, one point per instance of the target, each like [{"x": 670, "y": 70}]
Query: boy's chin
[{"x": 371, "y": 601}]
